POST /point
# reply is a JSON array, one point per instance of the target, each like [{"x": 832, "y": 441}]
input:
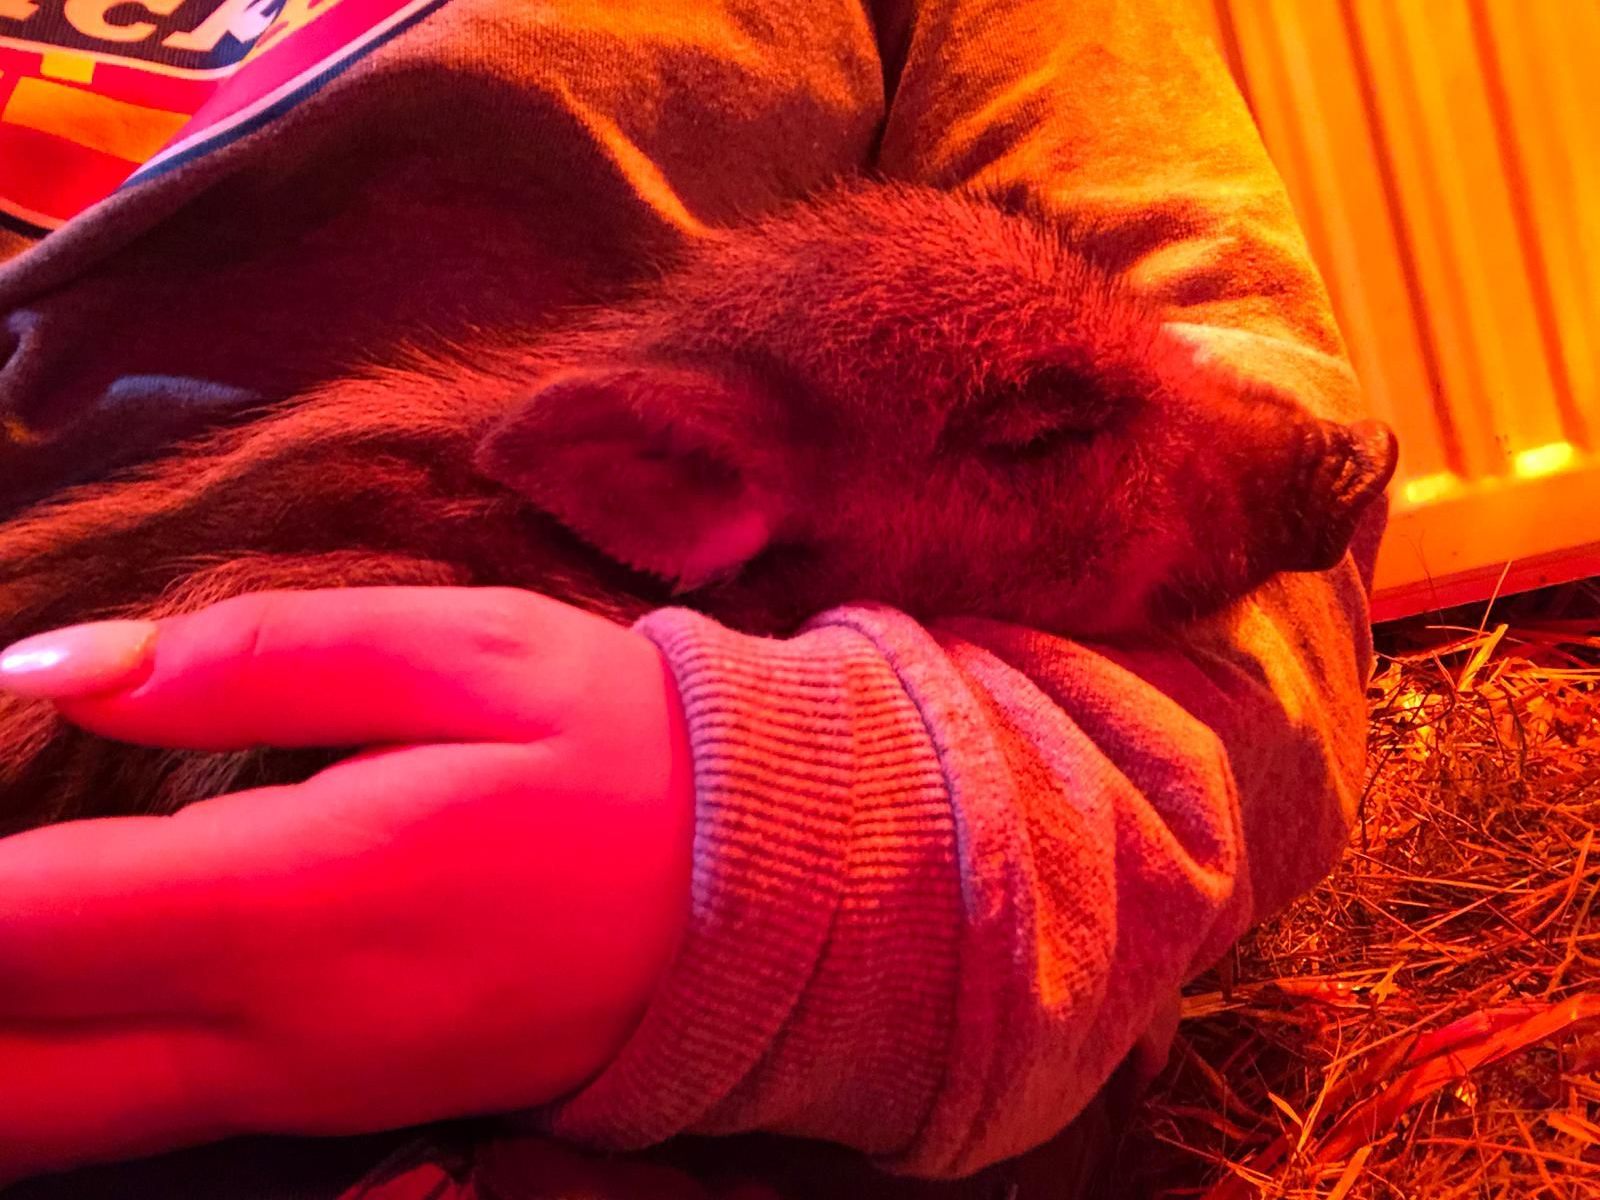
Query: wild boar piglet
[{"x": 934, "y": 400}]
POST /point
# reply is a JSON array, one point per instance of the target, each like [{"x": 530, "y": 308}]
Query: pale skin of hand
[{"x": 469, "y": 918}]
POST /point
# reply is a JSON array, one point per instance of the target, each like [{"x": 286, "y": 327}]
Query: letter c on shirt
[{"x": 88, "y": 17}]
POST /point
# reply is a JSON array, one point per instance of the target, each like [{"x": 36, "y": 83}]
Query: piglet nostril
[
  {"x": 1351, "y": 467},
  {"x": 1375, "y": 453}
]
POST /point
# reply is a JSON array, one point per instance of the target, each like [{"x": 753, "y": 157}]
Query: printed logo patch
[{"x": 96, "y": 92}]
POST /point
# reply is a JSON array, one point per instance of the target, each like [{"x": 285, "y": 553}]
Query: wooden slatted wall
[{"x": 1444, "y": 158}]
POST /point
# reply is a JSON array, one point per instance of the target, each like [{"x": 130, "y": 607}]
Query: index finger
[{"x": 353, "y": 666}]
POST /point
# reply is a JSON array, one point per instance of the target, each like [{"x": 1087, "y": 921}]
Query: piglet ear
[{"x": 652, "y": 465}]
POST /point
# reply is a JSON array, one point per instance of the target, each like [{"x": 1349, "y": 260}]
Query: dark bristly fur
[{"x": 885, "y": 393}]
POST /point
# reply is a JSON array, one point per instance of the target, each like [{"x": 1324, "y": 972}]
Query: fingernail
[{"x": 78, "y": 660}]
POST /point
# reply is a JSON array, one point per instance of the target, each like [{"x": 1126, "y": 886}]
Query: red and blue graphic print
[{"x": 95, "y": 92}]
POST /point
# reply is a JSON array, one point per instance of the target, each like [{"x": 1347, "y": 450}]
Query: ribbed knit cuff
[{"x": 820, "y": 830}]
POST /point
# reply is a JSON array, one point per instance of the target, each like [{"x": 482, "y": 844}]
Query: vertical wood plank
[
  {"x": 1458, "y": 217},
  {"x": 1444, "y": 157},
  {"x": 1299, "y": 60},
  {"x": 1545, "y": 58}
]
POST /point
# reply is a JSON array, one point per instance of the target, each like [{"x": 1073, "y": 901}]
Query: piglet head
[{"x": 920, "y": 398}]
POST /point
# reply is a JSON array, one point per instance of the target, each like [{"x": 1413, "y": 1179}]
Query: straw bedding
[{"x": 1427, "y": 1022}]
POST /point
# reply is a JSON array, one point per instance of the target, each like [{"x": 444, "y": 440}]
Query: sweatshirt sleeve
[{"x": 948, "y": 877}]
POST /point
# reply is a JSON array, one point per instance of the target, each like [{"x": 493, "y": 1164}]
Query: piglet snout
[{"x": 1349, "y": 470}]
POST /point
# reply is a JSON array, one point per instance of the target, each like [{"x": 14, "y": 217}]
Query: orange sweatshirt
[{"x": 947, "y": 877}]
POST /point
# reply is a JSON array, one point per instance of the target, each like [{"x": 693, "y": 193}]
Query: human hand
[{"x": 468, "y": 918}]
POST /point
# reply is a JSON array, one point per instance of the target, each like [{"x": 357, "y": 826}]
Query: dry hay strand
[{"x": 1426, "y": 1024}]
